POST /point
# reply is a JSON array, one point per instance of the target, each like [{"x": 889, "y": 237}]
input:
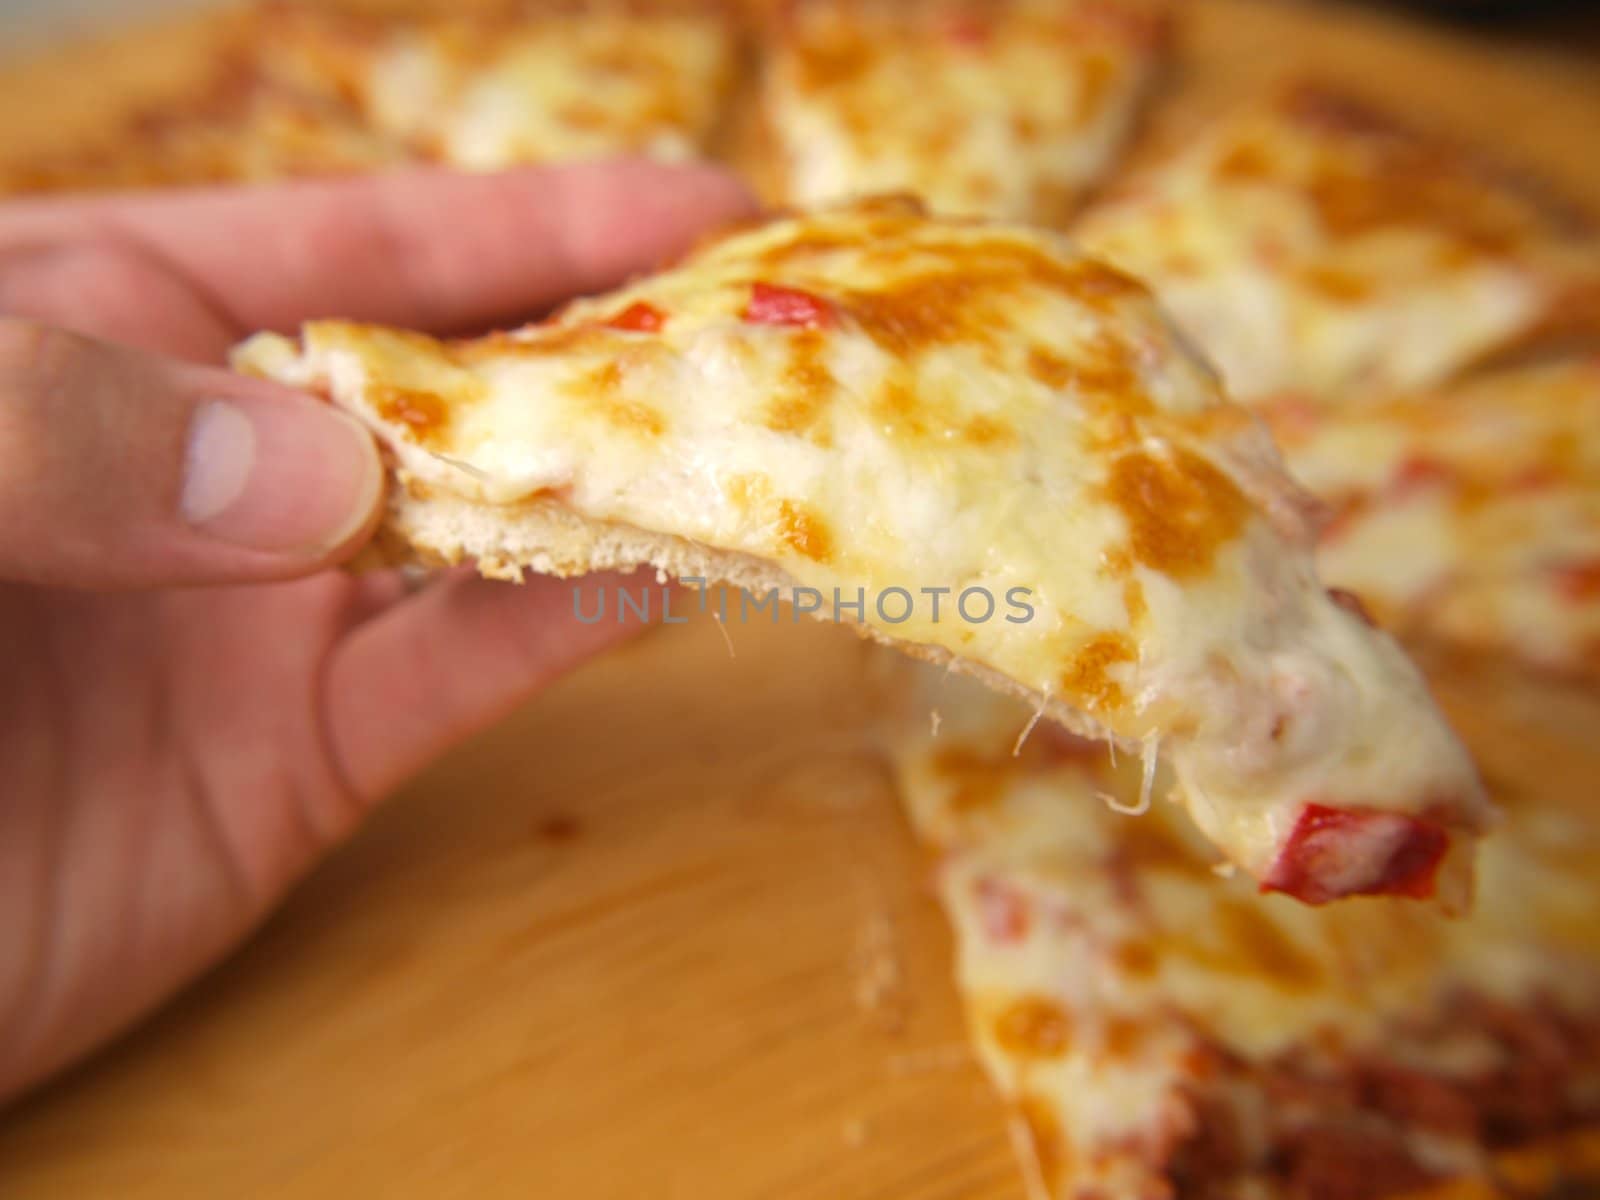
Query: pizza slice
[
  {"x": 495, "y": 84},
  {"x": 1012, "y": 108},
  {"x": 303, "y": 88},
  {"x": 1469, "y": 512},
  {"x": 1310, "y": 245},
  {"x": 1160, "y": 1030},
  {"x": 965, "y": 439}
]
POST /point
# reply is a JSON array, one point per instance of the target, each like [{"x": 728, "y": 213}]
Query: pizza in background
[
  {"x": 1470, "y": 512},
  {"x": 1161, "y": 1030},
  {"x": 1010, "y": 108},
  {"x": 303, "y": 88},
  {"x": 1314, "y": 246}
]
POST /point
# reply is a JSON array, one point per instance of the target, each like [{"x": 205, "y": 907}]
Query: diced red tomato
[
  {"x": 773, "y": 305},
  {"x": 1334, "y": 852},
  {"x": 639, "y": 317}
]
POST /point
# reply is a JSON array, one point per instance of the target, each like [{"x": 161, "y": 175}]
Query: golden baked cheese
[
  {"x": 1010, "y": 108},
  {"x": 1161, "y": 1031},
  {"x": 494, "y": 86},
  {"x": 961, "y": 436},
  {"x": 1310, "y": 245},
  {"x": 302, "y": 88},
  {"x": 1469, "y": 512}
]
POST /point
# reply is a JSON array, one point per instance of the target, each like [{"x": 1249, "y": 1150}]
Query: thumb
[{"x": 120, "y": 469}]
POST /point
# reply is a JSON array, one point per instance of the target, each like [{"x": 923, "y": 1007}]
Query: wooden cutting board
[{"x": 663, "y": 934}]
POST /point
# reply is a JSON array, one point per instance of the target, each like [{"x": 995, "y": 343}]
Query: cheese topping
[
  {"x": 1124, "y": 997},
  {"x": 1471, "y": 512},
  {"x": 1007, "y": 109},
  {"x": 1309, "y": 245},
  {"x": 898, "y": 410},
  {"x": 490, "y": 92},
  {"x": 305, "y": 89}
]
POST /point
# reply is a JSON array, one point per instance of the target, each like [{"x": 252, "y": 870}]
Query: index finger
[{"x": 423, "y": 248}]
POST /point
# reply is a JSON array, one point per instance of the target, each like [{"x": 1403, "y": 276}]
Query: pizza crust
[{"x": 429, "y": 528}]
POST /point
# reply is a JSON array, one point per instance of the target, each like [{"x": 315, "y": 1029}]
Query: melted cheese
[
  {"x": 1010, "y": 109},
  {"x": 1472, "y": 512},
  {"x": 873, "y": 400},
  {"x": 1106, "y": 965},
  {"x": 1310, "y": 246},
  {"x": 304, "y": 89},
  {"x": 486, "y": 94}
]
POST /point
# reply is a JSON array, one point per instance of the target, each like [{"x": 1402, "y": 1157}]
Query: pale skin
[{"x": 195, "y": 703}]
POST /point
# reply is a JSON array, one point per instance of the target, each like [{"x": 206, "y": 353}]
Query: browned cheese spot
[
  {"x": 979, "y": 781},
  {"x": 1094, "y": 284},
  {"x": 875, "y": 227},
  {"x": 1121, "y": 1038},
  {"x": 1054, "y": 202},
  {"x": 1101, "y": 370},
  {"x": 634, "y": 417},
  {"x": 970, "y": 299},
  {"x": 1342, "y": 287},
  {"x": 1049, "y": 368},
  {"x": 1025, "y": 128},
  {"x": 1087, "y": 678},
  {"x": 898, "y": 410},
  {"x": 1245, "y": 160},
  {"x": 1180, "y": 509},
  {"x": 832, "y": 60},
  {"x": 1133, "y": 600},
  {"x": 806, "y": 392},
  {"x": 1139, "y": 959},
  {"x": 1107, "y": 369},
  {"x": 924, "y": 313},
  {"x": 986, "y": 431},
  {"x": 1096, "y": 73},
  {"x": 424, "y": 415},
  {"x": 748, "y": 493},
  {"x": 603, "y": 386},
  {"x": 1033, "y": 1027},
  {"x": 804, "y": 531}
]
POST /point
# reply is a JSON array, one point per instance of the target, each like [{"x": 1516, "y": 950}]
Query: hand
[{"x": 193, "y": 706}]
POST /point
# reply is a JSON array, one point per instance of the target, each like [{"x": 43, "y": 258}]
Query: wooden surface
[{"x": 663, "y": 934}]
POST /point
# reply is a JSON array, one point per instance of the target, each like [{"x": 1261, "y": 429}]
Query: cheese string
[
  {"x": 1022, "y": 738},
  {"x": 1150, "y": 754}
]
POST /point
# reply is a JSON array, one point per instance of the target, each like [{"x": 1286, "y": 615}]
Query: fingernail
[{"x": 288, "y": 475}]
